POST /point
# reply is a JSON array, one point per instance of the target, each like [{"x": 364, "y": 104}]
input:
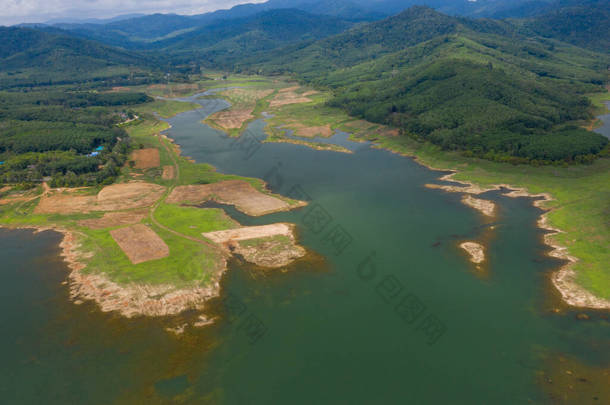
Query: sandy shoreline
[
  {"x": 128, "y": 300},
  {"x": 475, "y": 250},
  {"x": 563, "y": 279}
]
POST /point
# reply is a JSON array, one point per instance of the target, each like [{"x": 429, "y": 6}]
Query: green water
[{"x": 396, "y": 314}]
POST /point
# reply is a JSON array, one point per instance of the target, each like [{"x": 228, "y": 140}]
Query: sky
[{"x": 20, "y": 11}]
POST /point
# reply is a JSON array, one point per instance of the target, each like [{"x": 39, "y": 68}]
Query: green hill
[
  {"x": 585, "y": 23},
  {"x": 474, "y": 85},
  {"x": 29, "y": 56},
  {"x": 228, "y": 41}
]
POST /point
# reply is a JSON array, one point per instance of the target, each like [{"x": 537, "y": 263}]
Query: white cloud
[{"x": 18, "y": 11}]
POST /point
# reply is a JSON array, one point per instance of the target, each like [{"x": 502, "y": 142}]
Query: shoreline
[
  {"x": 562, "y": 279},
  {"x": 133, "y": 300},
  {"x": 128, "y": 301}
]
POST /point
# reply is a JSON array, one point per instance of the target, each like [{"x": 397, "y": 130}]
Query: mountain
[
  {"x": 139, "y": 32},
  {"x": 471, "y": 8},
  {"x": 92, "y": 20},
  {"x": 24, "y": 47},
  {"x": 585, "y": 23},
  {"x": 227, "y": 41},
  {"x": 481, "y": 86},
  {"x": 134, "y": 33},
  {"x": 34, "y": 56}
]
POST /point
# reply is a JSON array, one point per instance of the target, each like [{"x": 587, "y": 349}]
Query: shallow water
[
  {"x": 387, "y": 309},
  {"x": 604, "y": 129}
]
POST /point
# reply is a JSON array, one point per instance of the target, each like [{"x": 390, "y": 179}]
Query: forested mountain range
[
  {"x": 503, "y": 89},
  {"x": 139, "y": 31},
  {"x": 584, "y": 23},
  {"x": 477, "y": 85},
  {"x": 31, "y": 57}
]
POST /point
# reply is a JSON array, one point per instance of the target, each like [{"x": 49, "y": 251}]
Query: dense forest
[
  {"x": 480, "y": 86},
  {"x": 71, "y": 138}
]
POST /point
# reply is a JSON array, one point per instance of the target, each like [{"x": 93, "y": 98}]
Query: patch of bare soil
[
  {"x": 233, "y": 192},
  {"x": 270, "y": 252},
  {"x": 269, "y": 246},
  {"x": 232, "y": 118},
  {"x": 247, "y": 94},
  {"x": 16, "y": 199},
  {"x": 169, "y": 173},
  {"x": 140, "y": 243},
  {"x": 311, "y": 132},
  {"x": 117, "y": 197},
  {"x": 486, "y": 207},
  {"x": 289, "y": 89},
  {"x": 114, "y": 219},
  {"x": 475, "y": 250},
  {"x": 288, "y": 96},
  {"x": 249, "y": 232},
  {"x": 146, "y": 158}
]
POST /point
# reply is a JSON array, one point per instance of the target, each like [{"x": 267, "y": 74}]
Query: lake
[{"x": 385, "y": 309}]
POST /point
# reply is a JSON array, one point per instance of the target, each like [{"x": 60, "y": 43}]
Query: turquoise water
[{"x": 386, "y": 309}]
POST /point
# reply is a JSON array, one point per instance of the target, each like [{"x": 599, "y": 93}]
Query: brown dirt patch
[
  {"x": 244, "y": 95},
  {"x": 169, "y": 172},
  {"x": 146, "y": 158},
  {"x": 117, "y": 197},
  {"x": 288, "y": 96},
  {"x": 289, "y": 89},
  {"x": 140, "y": 243},
  {"x": 232, "y": 118},
  {"x": 270, "y": 252},
  {"x": 249, "y": 232},
  {"x": 311, "y": 132},
  {"x": 114, "y": 219},
  {"x": 486, "y": 207},
  {"x": 233, "y": 192},
  {"x": 269, "y": 246},
  {"x": 475, "y": 250}
]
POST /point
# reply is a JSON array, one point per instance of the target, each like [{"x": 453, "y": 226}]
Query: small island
[{"x": 475, "y": 250}]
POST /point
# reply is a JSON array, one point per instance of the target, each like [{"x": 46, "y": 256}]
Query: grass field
[
  {"x": 188, "y": 261},
  {"x": 193, "y": 221}
]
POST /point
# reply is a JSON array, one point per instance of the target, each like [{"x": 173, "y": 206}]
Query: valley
[{"x": 302, "y": 201}]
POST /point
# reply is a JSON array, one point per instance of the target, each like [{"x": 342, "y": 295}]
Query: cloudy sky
[{"x": 18, "y": 11}]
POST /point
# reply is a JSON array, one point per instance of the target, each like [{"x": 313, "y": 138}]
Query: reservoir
[{"x": 385, "y": 309}]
